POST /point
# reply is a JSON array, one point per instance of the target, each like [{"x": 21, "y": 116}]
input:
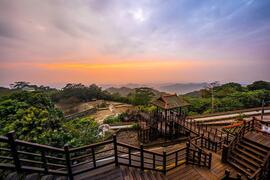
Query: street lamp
[{"x": 211, "y": 86}]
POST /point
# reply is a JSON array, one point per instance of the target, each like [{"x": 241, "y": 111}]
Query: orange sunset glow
[{"x": 135, "y": 42}]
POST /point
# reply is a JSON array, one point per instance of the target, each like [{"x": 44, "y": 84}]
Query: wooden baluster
[
  {"x": 227, "y": 141},
  {"x": 193, "y": 156},
  {"x": 216, "y": 145},
  {"x": 215, "y": 135},
  {"x": 200, "y": 156},
  {"x": 187, "y": 153},
  {"x": 129, "y": 156},
  {"x": 94, "y": 157},
  {"x": 142, "y": 157},
  {"x": 44, "y": 161},
  {"x": 208, "y": 140},
  {"x": 68, "y": 162},
  {"x": 154, "y": 161},
  {"x": 14, "y": 152},
  {"x": 210, "y": 161},
  {"x": 176, "y": 158},
  {"x": 115, "y": 150},
  {"x": 202, "y": 138},
  {"x": 205, "y": 159},
  {"x": 164, "y": 161}
]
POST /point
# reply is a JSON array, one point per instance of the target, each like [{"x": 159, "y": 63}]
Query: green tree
[
  {"x": 142, "y": 96},
  {"x": 257, "y": 85}
]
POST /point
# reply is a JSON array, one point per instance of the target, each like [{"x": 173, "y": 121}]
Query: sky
[{"x": 54, "y": 42}]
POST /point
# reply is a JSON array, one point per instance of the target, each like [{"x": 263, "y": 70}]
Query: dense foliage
[
  {"x": 34, "y": 118},
  {"x": 112, "y": 120},
  {"x": 230, "y": 96},
  {"x": 81, "y": 93}
]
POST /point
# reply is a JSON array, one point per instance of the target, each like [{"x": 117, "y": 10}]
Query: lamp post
[
  {"x": 262, "y": 112},
  {"x": 211, "y": 87}
]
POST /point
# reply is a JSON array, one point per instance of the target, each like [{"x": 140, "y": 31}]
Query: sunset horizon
[{"x": 108, "y": 42}]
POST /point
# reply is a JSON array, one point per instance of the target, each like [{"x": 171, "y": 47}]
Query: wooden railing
[
  {"x": 196, "y": 155},
  {"x": 211, "y": 138},
  {"x": 29, "y": 157},
  {"x": 228, "y": 148},
  {"x": 22, "y": 156}
]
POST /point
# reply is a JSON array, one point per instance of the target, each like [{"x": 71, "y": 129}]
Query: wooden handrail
[
  {"x": 72, "y": 150},
  {"x": 38, "y": 146}
]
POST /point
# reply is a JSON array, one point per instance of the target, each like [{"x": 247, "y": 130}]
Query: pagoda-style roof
[{"x": 170, "y": 101}]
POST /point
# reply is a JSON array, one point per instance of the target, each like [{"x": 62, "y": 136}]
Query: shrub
[{"x": 112, "y": 119}]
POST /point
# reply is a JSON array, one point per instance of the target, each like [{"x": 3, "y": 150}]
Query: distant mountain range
[
  {"x": 123, "y": 91},
  {"x": 182, "y": 88},
  {"x": 179, "y": 88}
]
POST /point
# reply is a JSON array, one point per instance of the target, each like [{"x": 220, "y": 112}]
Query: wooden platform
[
  {"x": 188, "y": 172},
  {"x": 259, "y": 138}
]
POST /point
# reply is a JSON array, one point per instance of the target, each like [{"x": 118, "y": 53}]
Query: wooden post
[
  {"x": 115, "y": 150},
  {"x": 227, "y": 174},
  {"x": 224, "y": 153},
  {"x": 202, "y": 141},
  {"x": 227, "y": 138},
  {"x": 164, "y": 161},
  {"x": 208, "y": 139},
  {"x": 238, "y": 176},
  {"x": 94, "y": 157},
  {"x": 142, "y": 158},
  {"x": 68, "y": 162},
  {"x": 216, "y": 145},
  {"x": 210, "y": 160},
  {"x": 200, "y": 156},
  {"x": 14, "y": 152},
  {"x": 187, "y": 154}
]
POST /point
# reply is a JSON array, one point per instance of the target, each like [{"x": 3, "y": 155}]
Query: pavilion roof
[{"x": 170, "y": 101}]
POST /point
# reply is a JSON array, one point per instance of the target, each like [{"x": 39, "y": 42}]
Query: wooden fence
[{"x": 22, "y": 156}]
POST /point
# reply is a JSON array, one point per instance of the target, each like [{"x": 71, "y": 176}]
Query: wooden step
[
  {"x": 48, "y": 177},
  {"x": 250, "y": 150},
  {"x": 257, "y": 144},
  {"x": 13, "y": 176},
  {"x": 246, "y": 153},
  {"x": 33, "y": 176},
  {"x": 247, "y": 159},
  {"x": 254, "y": 146},
  {"x": 243, "y": 164},
  {"x": 240, "y": 168}
]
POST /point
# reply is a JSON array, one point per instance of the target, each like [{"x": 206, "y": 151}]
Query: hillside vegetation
[
  {"x": 35, "y": 118},
  {"x": 230, "y": 96}
]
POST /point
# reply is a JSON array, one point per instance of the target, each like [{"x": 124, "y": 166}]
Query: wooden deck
[
  {"x": 184, "y": 172},
  {"x": 259, "y": 138}
]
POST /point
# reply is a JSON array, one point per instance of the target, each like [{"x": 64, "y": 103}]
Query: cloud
[{"x": 91, "y": 31}]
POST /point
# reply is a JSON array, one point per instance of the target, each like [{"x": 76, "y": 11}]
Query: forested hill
[{"x": 229, "y": 96}]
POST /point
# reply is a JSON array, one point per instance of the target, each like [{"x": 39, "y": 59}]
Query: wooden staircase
[{"x": 248, "y": 156}]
